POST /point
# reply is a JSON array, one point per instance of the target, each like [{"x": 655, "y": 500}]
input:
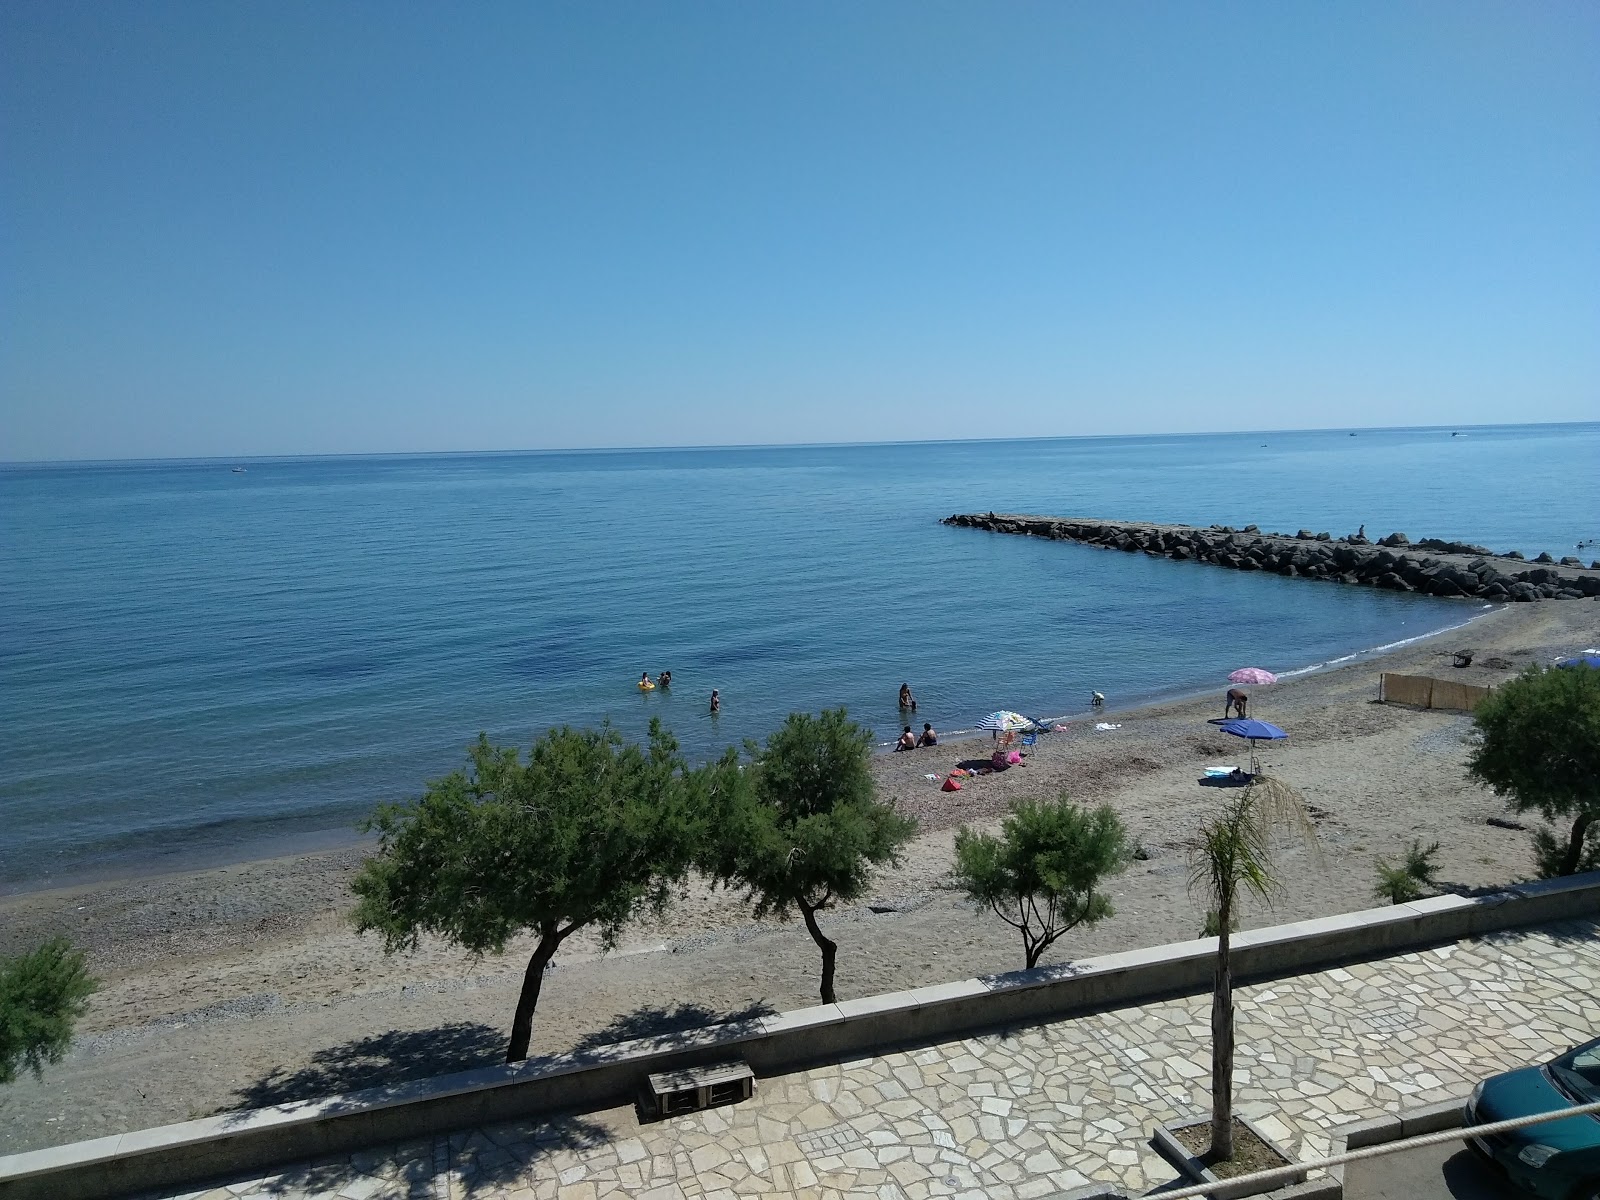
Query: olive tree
[
  {"x": 1041, "y": 873},
  {"x": 1232, "y": 855},
  {"x": 585, "y": 834},
  {"x": 800, "y": 826},
  {"x": 1540, "y": 748},
  {"x": 42, "y": 994}
]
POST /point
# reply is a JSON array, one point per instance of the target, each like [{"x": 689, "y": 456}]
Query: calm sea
[{"x": 196, "y": 662}]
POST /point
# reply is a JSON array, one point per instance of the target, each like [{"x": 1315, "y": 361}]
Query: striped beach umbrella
[{"x": 1006, "y": 721}]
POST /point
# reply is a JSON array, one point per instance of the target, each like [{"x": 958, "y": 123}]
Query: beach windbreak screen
[{"x": 200, "y": 660}]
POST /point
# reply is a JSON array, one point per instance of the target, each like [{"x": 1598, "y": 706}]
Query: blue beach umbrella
[
  {"x": 1580, "y": 660},
  {"x": 1255, "y": 731}
]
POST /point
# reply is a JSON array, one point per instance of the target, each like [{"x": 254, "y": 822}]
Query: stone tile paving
[{"x": 1025, "y": 1114}]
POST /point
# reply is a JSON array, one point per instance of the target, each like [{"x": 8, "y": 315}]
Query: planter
[{"x": 1166, "y": 1139}]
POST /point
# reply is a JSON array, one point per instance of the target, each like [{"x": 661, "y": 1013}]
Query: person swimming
[
  {"x": 907, "y": 700},
  {"x": 929, "y": 737},
  {"x": 908, "y": 740},
  {"x": 664, "y": 679},
  {"x": 716, "y": 702}
]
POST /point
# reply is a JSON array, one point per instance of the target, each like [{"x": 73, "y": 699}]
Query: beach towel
[{"x": 1014, "y": 757}]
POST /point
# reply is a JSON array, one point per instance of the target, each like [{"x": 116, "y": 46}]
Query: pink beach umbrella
[{"x": 1252, "y": 675}]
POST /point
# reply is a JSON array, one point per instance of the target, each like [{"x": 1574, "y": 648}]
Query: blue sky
[{"x": 260, "y": 228}]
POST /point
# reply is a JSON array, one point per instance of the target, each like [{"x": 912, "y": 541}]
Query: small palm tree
[{"x": 1233, "y": 854}]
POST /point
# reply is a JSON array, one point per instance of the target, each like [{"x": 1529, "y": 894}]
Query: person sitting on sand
[
  {"x": 929, "y": 737},
  {"x": 664, "y": 679},
  {"x": 908, "y": 740},
  {"x": 907, "y": 700},
  {"x": 716, "y": 702},
  {"x": 1238, "y": 700}
]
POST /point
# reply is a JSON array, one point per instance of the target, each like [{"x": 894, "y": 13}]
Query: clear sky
[{"x": 281, "y": 227}]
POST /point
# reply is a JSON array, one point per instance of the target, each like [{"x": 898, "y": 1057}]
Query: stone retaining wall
[{"x": 1433, "y": 567}]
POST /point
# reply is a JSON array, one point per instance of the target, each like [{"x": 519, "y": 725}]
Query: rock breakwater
[{"x": 1432, "y": 567}]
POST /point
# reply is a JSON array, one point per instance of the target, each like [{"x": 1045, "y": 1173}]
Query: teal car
[{"x": 1557, "y": 1160}]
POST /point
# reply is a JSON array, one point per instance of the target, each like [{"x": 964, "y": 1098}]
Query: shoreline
[
  {"x": 202, "y": 857},
  {"x": 332, "y": 843}
]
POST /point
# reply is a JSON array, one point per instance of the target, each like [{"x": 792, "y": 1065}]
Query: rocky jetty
[{"x": 1431, "y": 566}]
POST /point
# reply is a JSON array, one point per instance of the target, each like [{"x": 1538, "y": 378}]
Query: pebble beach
[{"x": 245, "y": 984}]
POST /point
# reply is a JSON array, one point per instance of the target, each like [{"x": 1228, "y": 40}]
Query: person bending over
[{"x": 907, "y": 700}]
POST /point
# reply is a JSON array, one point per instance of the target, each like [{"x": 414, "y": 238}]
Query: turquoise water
[{"x": 197, "y": 661}]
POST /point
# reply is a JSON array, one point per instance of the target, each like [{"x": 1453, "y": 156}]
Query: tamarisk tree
[
  {"x": 1041, "y": 875},
  {"x": 42, "y": 994},
  {"x": 585, "y": 834},
  {"x": 1540, "y": 749},
  {"x": 800, "y": 826}
]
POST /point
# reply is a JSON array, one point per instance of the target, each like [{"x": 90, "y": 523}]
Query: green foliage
[
  {"x": 1540, "y": 748},
  {"x": 802, "y": 829},
  {"x": 587, "y": 833},
  {"x": 1410, "y": 879},
  {"x": 42, "y": 994},
  {"x": 1213, "y": 924},
  {"x": 1551, "y": 853},
  {"x": 1039, "y": 876}
]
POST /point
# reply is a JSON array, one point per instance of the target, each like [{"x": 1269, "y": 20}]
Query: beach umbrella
[
  {"x": 1580, "y": 660},
  {"x": 1006, "y": 721},
  {"x": 1252, "y": 675},
  {"x": 1255, "y": 731}
]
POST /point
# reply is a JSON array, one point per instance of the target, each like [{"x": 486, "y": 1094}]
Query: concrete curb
[{"x": 180, "y": 1154}]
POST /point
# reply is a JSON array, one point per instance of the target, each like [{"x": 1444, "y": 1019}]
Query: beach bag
[
  {"x": 1014, "y": 757},
  {"x": 951, "y": 784}
]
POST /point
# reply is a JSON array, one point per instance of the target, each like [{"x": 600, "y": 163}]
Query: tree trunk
[
  {"x": 1033, "y": 951},
  {"x": 1222, "y": 1041},
  {"x": 532, "y": 978},
  {"x": 829, "y": 949},
  {"x": 1580, "y": 829}
]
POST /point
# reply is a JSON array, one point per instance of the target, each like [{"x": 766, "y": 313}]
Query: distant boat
[
  {"x": 1352, "y": 435},
  {"x": 238, "y": 470}
]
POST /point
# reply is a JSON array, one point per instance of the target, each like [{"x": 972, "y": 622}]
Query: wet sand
[{"x": 244, "y": 984}]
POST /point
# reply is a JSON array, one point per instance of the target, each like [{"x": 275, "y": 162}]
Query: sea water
[{"x": 197, "y": 661}]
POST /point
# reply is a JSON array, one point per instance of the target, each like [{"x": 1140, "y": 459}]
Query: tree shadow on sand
[
  {"x": 667, "y": 1025},
  {"x": 383, "y": 1060}
]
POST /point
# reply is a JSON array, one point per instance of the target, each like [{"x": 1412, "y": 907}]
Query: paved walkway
[{"x": 1023, "y": 1115}]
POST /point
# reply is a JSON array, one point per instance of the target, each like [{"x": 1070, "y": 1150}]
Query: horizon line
[{"x": 483, "y": 453}]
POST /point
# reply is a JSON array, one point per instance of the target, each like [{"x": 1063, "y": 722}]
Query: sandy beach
[{"x": 245, "y": 985}]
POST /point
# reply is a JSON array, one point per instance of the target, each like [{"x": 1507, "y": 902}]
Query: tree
[
  {"x": 1039, "y": 876},
  {"x": 42, "y": 994},
  {"x": 1540, "y": 748},
  {"x": 1409, "y": 879},
  {"x": 587, "y": 833},
  {"x": 802, "y": 829},
  {"x": 1234, "y": 854}
]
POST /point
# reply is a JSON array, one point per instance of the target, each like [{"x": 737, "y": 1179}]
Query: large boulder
[{"x": 1395, "y": 539}]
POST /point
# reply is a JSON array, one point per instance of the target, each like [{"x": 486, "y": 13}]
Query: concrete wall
[{"x": 263, "y": 1138}]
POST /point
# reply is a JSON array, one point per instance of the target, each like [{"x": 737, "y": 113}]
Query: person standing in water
[
  {"x": 907, "y": 700},
  {"x": 664, "y": 679},
  {"x": 716, "y": 702}
]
